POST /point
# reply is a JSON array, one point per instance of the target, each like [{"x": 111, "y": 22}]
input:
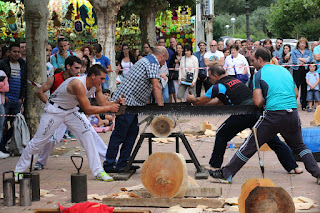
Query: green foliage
[
  {"x": 310, "y": 29},
  {"x": 288, "y": 18}
]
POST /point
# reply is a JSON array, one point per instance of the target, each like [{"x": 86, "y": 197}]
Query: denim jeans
[
  {"x": 165, "y": 94},
  {"x": 2, "y": 118},
  {"x": 125, "y": 133}
]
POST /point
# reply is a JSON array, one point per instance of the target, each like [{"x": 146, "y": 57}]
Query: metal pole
[{"x": 247, "y": 18}]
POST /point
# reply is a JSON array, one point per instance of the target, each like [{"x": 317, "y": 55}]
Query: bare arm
[
  {"x": 44, "y": 88},
  {"x": 75, "y": 87},
  {"x": 203, "y": 100},
  {"x": 157, "y": 91},
  {"x": 109, "y": 68},
  {"x": 317, "y": 57},
  {"x": 258, "y": 99},
  {"x": 296, "y": 91}
]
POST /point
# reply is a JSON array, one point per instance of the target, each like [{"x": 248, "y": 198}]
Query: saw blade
[{"x": 186, "y": 109}]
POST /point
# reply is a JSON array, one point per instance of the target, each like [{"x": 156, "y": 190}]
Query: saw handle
[{"x": 78, "y": 168}]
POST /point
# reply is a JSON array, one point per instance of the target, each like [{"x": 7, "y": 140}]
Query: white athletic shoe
[
  {"x": 3, "y": 155},
  {"x": 103, "y": 176}
]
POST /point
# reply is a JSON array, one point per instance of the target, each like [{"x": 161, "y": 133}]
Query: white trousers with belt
[{"x": 51, "y": 119}]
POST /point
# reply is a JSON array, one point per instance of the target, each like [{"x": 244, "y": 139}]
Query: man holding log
[
  {"x": 228, "y": 90},
  {"x": 273, "y": 86},
  {"x": 141, "y": 80}
]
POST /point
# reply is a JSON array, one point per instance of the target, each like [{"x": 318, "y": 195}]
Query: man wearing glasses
[
  {"x": 214, "y": 56},
  {"x": 278, "y": 51}
]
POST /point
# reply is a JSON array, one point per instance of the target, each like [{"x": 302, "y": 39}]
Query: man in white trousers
[
  {"x": 62, "y": 107},
  {"x": 72, "y": 65}
]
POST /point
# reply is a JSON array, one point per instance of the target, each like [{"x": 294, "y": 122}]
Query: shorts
[{"x": 313, "y": 95}]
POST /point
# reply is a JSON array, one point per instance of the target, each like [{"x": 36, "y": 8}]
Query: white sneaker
[
  {"x": 3, "y": 155},
  {"x": 103, "y": 176}
]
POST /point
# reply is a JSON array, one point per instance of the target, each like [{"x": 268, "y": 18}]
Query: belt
[{"x": 56, "y": 105}]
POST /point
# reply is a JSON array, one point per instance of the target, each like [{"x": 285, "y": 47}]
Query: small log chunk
[
  {"x": 316, "y": 117},
  {"x": 162, "y": 126},
  {"x": 164, "y": 175},
  {"x": 269, "y": 199}
]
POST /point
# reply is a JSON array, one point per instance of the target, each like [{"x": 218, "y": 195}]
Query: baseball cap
[{"x": 202, "y": 42}]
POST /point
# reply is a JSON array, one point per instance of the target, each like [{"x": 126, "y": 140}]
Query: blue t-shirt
[
  {"x": 277, "y": 87},
  {"x": 58, "y": 61},
  {"x": 104, "y": 61},
  {"x": 316, "y": 50},
  {"x": 312, "y": 78},
  {"x": 218, "y": 91}
]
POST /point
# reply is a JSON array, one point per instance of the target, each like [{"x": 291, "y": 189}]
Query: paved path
[{"x": 56, "y": 175}]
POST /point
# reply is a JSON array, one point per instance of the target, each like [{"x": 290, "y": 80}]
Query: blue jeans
[
  {"x": 2, "y": 118},
  {"x": 125, "y": 133},
  {"x": 165, "y": 94}
]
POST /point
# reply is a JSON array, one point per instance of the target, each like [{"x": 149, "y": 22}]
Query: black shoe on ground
[
  {"x": 112, "y": 170},
  {"x": 133, "y": 167},
  {"x": 217, "y": 174}
]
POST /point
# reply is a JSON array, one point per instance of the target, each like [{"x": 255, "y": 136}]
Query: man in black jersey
[{"x": 230, "y": 91}]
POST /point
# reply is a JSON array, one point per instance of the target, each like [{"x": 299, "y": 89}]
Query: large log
[
  {"x": 164, "y": 175},
  {"x": 261, "y": 195},
  {"x": 162, "y": 126}
]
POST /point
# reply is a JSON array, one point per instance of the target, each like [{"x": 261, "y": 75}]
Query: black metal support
[{"x": 201, "y": 172}]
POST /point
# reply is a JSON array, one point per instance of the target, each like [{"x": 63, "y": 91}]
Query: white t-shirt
[
  {"x": 50, "y": 69},
  {"x": 126, "y": 66},
  {"x": 214, "y": 56},
  {"x": 239, "y": 63},
  {"x": 15, "y": 70}
]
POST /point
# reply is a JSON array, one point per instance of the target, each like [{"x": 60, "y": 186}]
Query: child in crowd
[
  {"x": 83, "y": 68},
  {"x": 102, "y": 122},
  {"x": 312, "y": 79}
]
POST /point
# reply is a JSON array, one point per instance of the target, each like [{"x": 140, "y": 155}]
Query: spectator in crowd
[
  {"x": 173, "y": 44},
  {"x": 56, "y": 49},
  {"x": 88, "y": 51},
  {"x": 243, "y": 44},
  {"x": 226, "y": 52},
  {"x": 286, "y": 58},
  {"x": 214, "y": 56},
  {"x": 146, "y": 49},
  {"x": 88, "y": 62},
  {"x": 238, "y": 42},
  {"x": 58, "y": 59},
  {"x": 316, "y": 56},
  {"x": 136, "y": 54},
  {"x": 125, "y": 60},
  {"x": 136, "y": 87},
  {"x": 220, "y": 46},
  {"x": 229, "y": 42},
  {"x": 246, "y": 52},
  {"x": 203, "y": 74},
  {"x": 278, "y": 51},
  {"x": 267, "y": 43},
  {"x": 5, "y": 51},
  {"x": 300, "y": 56},
  {"x": 104, "y": 61},
  {"x": 188, "y": 74},
  {"x": 162, "y": 42},
  {"x": 50, "y": 69},
  {"x": 313, "y": 45},
  {"x": 256, "y": 44},
  {"x": 312, "y": 79},
  {"x": 4, "y": 87},
  {"x": 23, "y": 50},
  {"x": 15, "y": 69},
  {"x": 174, "y": 72},
  {"x": 237, "y": 65}
]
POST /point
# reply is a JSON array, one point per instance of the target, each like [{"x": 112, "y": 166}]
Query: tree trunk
[
  {"x": 107, "y": 11},
  {"x": 209, "y": 30},
  {"x": 147, "y": 27},
  {"x": 36, "y": 16}
]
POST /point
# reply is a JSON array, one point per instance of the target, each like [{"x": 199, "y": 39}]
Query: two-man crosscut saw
[{"x": 187, "y": 109}]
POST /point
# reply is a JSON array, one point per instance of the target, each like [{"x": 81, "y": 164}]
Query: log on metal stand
[
  {"x": 163, "y": 125},
  {"x": 164, "y": 175}
]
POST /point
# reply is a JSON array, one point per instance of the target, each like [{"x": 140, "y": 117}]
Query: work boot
[{"x": 38, "y": 166}]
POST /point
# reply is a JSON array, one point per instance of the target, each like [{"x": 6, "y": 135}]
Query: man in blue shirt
[
  {"x": 58, "y": 59},
  {"x": 279, "y": 50},
  {"x": 104, "y": 61},
  {"x": 203, "y": 75},
  {"x": 273, "y": 86}
]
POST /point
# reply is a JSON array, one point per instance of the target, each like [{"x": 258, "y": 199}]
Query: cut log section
[
  {"x": 164, "y": 175},
  {"x": 162, "y": 126},
  {"x": 269, "y": 199},
  {"x": 316, "y": 116},
  {"x": 248, "y": 186}
]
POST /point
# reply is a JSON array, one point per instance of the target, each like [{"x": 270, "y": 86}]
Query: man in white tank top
[
  {"x": 73, "y": 65},
  {"x": 62, "y": 108}
]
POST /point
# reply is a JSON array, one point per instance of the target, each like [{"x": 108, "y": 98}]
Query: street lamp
[
  {"x": 227, "y": 27},
  {"x": 233, "y": 20}
]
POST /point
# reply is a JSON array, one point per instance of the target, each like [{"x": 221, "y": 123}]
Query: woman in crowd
[
  {"x": 88, "y": 51},
  {"x": 300, "y": 56},
  {"x": 188, "y": 73},
  {"x": 146, "y": 49},
  {"x": 237, "y": 65},
  {"x": 226, "y": 52},
  {"x": 174, "y": 74},
  {"x": 136, "y": 54},
  {"x": 4, "y": 87},
  {"x": 286, "y": 58},
  {"x": 238, "y": 42},
  {"x": 125, "y": 60},
  {"x": 267, "y": 43}
]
